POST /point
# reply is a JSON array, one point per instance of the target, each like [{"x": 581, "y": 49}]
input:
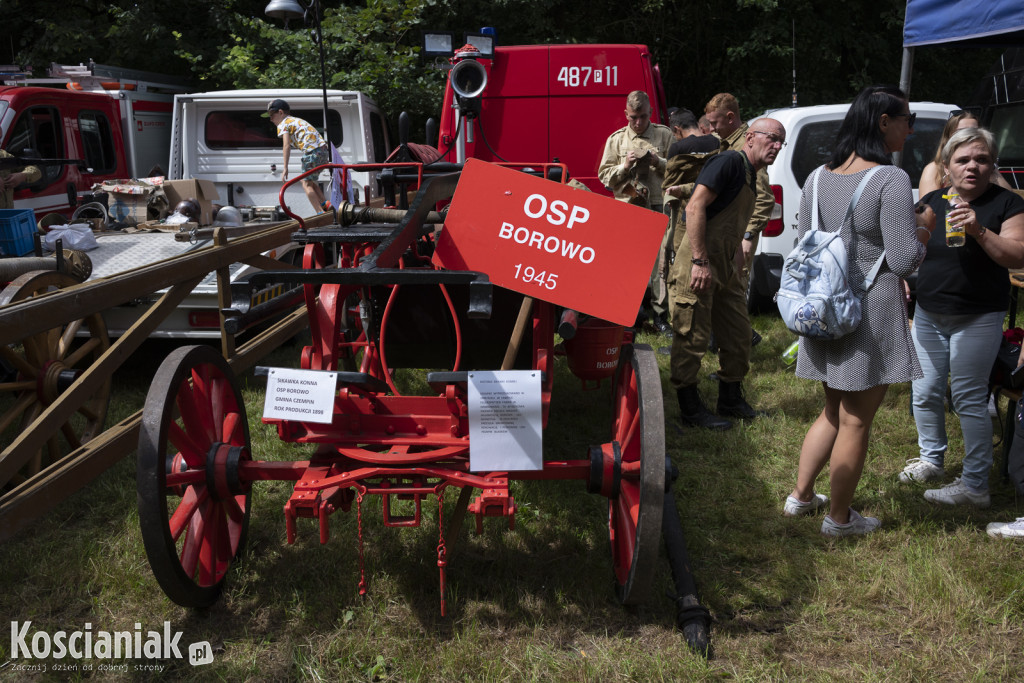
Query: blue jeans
[{"x": 962, "y": 347}]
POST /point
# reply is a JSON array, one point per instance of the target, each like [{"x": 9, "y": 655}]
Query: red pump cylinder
[{"x": 593, "y": 353}]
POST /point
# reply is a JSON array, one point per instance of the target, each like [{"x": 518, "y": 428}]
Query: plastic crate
[{"x": 16, "y": 229}]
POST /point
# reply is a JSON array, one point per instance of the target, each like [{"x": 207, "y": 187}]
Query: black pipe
[{"x": 693, "y": 618}]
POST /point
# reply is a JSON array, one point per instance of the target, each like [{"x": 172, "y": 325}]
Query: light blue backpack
[{"x": 815, "y": 298}]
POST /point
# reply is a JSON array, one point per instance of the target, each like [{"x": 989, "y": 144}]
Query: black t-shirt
[
  {"x": 725, "y": 173},
  {"x": 964, "y": 280},
  {"x": 694, "y": 144}
]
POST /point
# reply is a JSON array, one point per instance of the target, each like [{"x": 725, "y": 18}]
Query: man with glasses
[
  {"x": 704, "y": 278},
  {"x": 723, "y": 112},
  {"x": 632, "y": 167}
]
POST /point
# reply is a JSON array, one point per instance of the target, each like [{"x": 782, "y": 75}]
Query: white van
[
  {"x": 223, "y": 136},
  {"x": 810, "y": 136}
]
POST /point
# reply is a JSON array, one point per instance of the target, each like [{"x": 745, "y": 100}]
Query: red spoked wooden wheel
[
  {"x": 634, "y": 515},
  {"x": 193, "y": 509}
]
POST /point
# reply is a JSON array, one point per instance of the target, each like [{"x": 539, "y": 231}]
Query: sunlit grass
[{"x": 928, "y": 597}]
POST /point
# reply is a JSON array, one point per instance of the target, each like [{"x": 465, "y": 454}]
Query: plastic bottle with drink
[
  {"x": 954, "y": 233},
  {"x": 789, "y": 355}
]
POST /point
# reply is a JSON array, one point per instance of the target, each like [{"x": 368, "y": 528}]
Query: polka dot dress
[{"x": 880, "y": 350}]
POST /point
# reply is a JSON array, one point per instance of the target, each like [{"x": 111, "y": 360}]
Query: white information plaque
[
  {"x": 505, "y": 420},
  {"x": 304, "y": 395}
]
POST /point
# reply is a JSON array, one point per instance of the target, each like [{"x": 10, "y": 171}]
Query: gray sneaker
[
  {"x": 857, "y": 526},
  {"x": 1006, "y": 529},
  {"x": 795, "y": 507},
  {"x": 918, "y": 470},
  {"x": 958, "y": 493}
]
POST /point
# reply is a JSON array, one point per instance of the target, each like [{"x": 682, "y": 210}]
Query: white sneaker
[
  {"x": 795, "y": 507},
  {"x": 921, "y": 470},
  {"x": 1006, "y": 529},
  {"x": 857, "y": 526},
  {"x": 958, "y": 493}
]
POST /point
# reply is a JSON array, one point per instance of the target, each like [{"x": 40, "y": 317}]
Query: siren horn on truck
[{"x": 469, "y": 79}]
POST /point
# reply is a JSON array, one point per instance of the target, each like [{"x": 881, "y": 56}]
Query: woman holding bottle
[
  {"x": 963, "y": 292},
  {"x": 933, "y": 176}
]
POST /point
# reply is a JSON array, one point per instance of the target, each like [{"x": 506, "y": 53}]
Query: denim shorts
[{"x": 317, "y": 157}]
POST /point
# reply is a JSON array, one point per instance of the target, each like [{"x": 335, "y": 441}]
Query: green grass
[{"x": 928, "y": 597}]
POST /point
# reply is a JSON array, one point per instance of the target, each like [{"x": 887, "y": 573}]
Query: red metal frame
[{"x": 392, "y": 445}]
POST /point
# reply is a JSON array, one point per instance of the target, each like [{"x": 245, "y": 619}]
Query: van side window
[
  {"x": 97, "y": 142},
  {"x": 380, "y": 147},
  {"x": 234, "y": 129},
  {"x": 813, "y": 147},
  {"x": 38, "y": 130}
]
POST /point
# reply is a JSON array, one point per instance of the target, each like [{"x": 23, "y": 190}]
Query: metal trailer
[{"x": 198, "y": 315}]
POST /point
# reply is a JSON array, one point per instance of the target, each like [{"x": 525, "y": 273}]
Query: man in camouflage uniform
[
  {"x": 686, "y": 157},
  {"x": 632, "y": 167},
  {"x": 704, "y": 276},
  {"x": 11, "y": 179}
]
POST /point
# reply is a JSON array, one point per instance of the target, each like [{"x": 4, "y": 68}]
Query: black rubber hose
[{"x": 693, "y": 618}]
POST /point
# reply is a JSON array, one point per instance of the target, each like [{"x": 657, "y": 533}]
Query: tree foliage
[
  {"x": 136, "y": 34},
  {"x": 368, "y": 47},
  {"x": 748, "y": 47}
]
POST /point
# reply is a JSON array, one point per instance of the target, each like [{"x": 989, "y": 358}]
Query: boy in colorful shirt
[{"x": 296, "y": 132}]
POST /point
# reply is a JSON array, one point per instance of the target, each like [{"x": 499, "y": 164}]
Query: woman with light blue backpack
[{"x": 856, "y": 369}]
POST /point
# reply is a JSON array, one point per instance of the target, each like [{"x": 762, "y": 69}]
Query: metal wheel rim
[
  {"x": 634, "y": 516},
  {"x": 41, "y": 357},
  {"x": 191, "y": 538}
]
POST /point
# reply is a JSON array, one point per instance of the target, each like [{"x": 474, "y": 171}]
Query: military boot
[
  {"x": 732, "y": 404},
  {"x": 695, "y": 413}
]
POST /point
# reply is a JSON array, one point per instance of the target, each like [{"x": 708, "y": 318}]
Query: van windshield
[
  {"x": 814, "y": 144},
  {"x": 37, "y": 132},
  {"x": 234, "y": 129}
]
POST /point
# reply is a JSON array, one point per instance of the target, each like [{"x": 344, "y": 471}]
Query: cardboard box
[
  {"x": 129, "y": 199},
  {"x": 202, "y": 191}
]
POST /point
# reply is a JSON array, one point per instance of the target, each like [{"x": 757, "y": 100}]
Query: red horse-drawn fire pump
[{"x": 479, "y": 289}]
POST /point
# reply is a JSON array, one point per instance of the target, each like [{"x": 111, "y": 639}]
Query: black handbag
[
  {"x": 1015, "y": 454},
  {"x": 1006, "y": 362}
]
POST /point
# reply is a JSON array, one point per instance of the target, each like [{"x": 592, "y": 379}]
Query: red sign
[{"x": 552, "y": 242}]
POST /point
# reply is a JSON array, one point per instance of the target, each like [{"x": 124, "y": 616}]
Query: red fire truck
[
  {"x": 545, "y": 102},
  {"x": 118, "y": 121}
]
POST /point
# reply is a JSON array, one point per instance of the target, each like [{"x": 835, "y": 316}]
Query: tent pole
[{"x": 905, "y": 71}]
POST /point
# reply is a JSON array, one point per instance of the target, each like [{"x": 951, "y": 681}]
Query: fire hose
[
  {"x": 693, "y": 618},
  {"x": 349, "y": 214}
]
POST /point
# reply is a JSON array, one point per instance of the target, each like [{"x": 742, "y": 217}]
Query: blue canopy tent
[
  {"x": 989, "y": 23},
  {"x": 982, "y": 23}
]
